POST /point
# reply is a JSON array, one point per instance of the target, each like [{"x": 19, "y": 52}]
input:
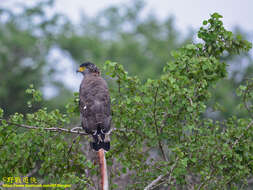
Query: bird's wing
[{"x": 94, "y": 103}]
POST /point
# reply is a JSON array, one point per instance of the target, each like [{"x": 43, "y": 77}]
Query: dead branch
[
  {"x": 53, "y": 129},
  {"x": 103, "y": 170},
  {"x": 161, "y": 177},
  {"x": 153, "y": 183}
]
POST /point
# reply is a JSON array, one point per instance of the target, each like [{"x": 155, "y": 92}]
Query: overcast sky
[{"x": 187, "y": 13}]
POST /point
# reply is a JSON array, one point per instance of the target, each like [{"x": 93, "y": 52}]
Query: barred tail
[
  {"x": 99, "y": 140},
  {"x": 98, "y": 145}
]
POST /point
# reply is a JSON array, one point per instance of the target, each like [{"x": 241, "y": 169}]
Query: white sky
[{"x": 188, "y": 13}]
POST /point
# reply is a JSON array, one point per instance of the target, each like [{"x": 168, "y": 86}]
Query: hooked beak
[{"x": 80, "y": 70}]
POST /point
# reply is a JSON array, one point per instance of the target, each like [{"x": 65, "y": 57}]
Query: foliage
[
  {"x": 29, "y": 37},
  {"x": 45, "y": 153},
  {"x": 165, "y": 114},
  {"x": 160, "y": 132}
]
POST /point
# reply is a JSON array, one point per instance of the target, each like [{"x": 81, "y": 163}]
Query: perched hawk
[{"x": 94, "y": 106}]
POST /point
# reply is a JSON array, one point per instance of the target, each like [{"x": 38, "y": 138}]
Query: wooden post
[{"x": 103, "y": 170}]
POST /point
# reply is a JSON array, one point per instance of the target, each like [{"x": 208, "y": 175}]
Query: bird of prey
[{"x": 94, "y": 105}]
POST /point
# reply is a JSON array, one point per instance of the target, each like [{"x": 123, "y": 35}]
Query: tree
[
  {"x": 120, "y": 35},
  {"x": 24, "y": 53},
  {"x": 29, "y": 37},
  {"x": 160, "y": 137}
]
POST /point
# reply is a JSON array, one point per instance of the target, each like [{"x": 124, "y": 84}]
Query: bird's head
[{"x": 88, "y": 67}]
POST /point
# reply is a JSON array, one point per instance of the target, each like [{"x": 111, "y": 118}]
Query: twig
[
  {"x": 32, "y": 172},
  {"x": 156, "y": 126},
  {"x": 172, "y": 169},
  {"x": 153, "y": 183},
  {"x": 242, "y": 186},
  {"x": 73, "y": 142},
  {"x": 53, "y": 129},
  {"x": 160, "y": 177},
  {"x": 239, "y": 138},
  {"x": 190, "y": 100},
  {"x": 76, "y": 128}
]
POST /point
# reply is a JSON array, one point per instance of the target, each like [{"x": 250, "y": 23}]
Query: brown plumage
[{"x": 94, "y": 105}]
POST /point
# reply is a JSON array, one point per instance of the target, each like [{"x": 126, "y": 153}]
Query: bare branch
[
  {"x": 103, "y": 170},
  {"x": 172, "y": 169},
  {"x": 32, "y": 172},
  {"x": 156, "y": 125},
  {"x": 73, "y": 142},
  {"x": 76, "y": 128},
  {"x": 53, "y": 129},
  {"x": 190, "y": 100},
  {"x": 161, "y": 177},
  {"x": 153, "y": 183}
]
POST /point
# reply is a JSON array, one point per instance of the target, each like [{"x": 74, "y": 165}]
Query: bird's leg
[
  {"x": 95, "y": 137},
  {"x": 95, "y": 133},
  {"x": 99, "y": 138},
  {"x": 107, "y": 138}
]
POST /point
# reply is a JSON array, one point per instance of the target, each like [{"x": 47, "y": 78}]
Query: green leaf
[
  {"x": 191, "y": 46},
  {"x": 138, "y": 99},
  {"x": 242, "y": 87},
  {"x": 124, "y": 170},
  {"x": 1, "y": 112},
  {"x": 216, "y": 15}
]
